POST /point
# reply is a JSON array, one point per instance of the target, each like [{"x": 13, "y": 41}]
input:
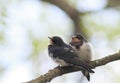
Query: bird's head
[
  {"x": 76, "y": 38},
  {"x": 56, "y": 40}
]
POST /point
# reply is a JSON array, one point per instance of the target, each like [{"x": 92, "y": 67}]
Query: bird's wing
[
  {"x": 57, "y": 51},
  {"x": 69, "y": 56}
]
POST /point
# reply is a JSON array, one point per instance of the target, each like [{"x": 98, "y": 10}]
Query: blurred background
[{"x": 26, "y": 24}]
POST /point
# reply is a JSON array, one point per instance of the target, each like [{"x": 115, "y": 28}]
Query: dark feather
[{"x": 67, "y": 54}]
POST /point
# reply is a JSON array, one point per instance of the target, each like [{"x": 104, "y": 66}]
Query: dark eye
[{"x": 73, "y": 38}]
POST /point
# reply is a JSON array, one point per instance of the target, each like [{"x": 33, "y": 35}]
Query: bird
[
  {"x": 64, "y": 54},
  {"x": 83, "y": 49}
]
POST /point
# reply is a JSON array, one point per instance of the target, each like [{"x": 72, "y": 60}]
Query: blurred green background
[{"x": 26, "y": 24}]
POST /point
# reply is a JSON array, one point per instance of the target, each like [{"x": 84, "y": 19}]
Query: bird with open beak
[
  {"x": 83, "y": 50},
  {"x": 65, "y": 55}
]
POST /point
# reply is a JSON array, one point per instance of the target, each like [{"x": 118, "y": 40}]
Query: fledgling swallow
[
  {"x": 65, "y": 55},
  {"x": 83, "y": 49}
]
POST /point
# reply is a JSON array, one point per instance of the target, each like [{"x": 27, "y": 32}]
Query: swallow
[
  {"x": 65, "y": 55},
  {"x": 83, "y": 49}
]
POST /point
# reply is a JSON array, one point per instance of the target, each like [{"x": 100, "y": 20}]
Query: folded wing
[{"x": 69, "y": 56}]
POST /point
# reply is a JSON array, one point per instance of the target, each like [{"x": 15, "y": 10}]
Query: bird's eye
[{"x": 73, "y": 38}]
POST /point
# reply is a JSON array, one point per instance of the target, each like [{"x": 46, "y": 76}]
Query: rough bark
[{"x": 58, "y": 71}]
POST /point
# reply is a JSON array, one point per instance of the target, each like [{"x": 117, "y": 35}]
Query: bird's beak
[
  {"x": 51, "y": 42},
  {"x": 50, "y": 38}
]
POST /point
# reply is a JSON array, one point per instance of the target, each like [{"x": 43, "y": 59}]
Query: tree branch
[
  {"x": 73, "y": 13},
  {"x": 113, "y": 3},
  {"x": 58, "y": 71}
]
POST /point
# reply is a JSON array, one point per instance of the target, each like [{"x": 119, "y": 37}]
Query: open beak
[
  {"x": 51, "y": 42},
  {"x": 50, "y": 38}
]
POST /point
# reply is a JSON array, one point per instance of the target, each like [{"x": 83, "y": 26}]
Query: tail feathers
[
  {"x": 86, "y": 74},
  {"x": 90, "y": 70}
]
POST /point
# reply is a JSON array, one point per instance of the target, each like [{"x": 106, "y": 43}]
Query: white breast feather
[
  {"x": 59, "y": 61},
  {"x": 85, "y": 51}
]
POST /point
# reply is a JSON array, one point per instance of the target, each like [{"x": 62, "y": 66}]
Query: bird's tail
[
  {"x": 90, "y": 70},
  {"x": 87, "y": 68},
  {"x": 86, "y": 74}
]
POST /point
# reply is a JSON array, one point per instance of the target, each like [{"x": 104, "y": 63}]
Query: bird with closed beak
[
  {"x": 83, "y": 50},
  {"x": 65, "y": 55}
]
